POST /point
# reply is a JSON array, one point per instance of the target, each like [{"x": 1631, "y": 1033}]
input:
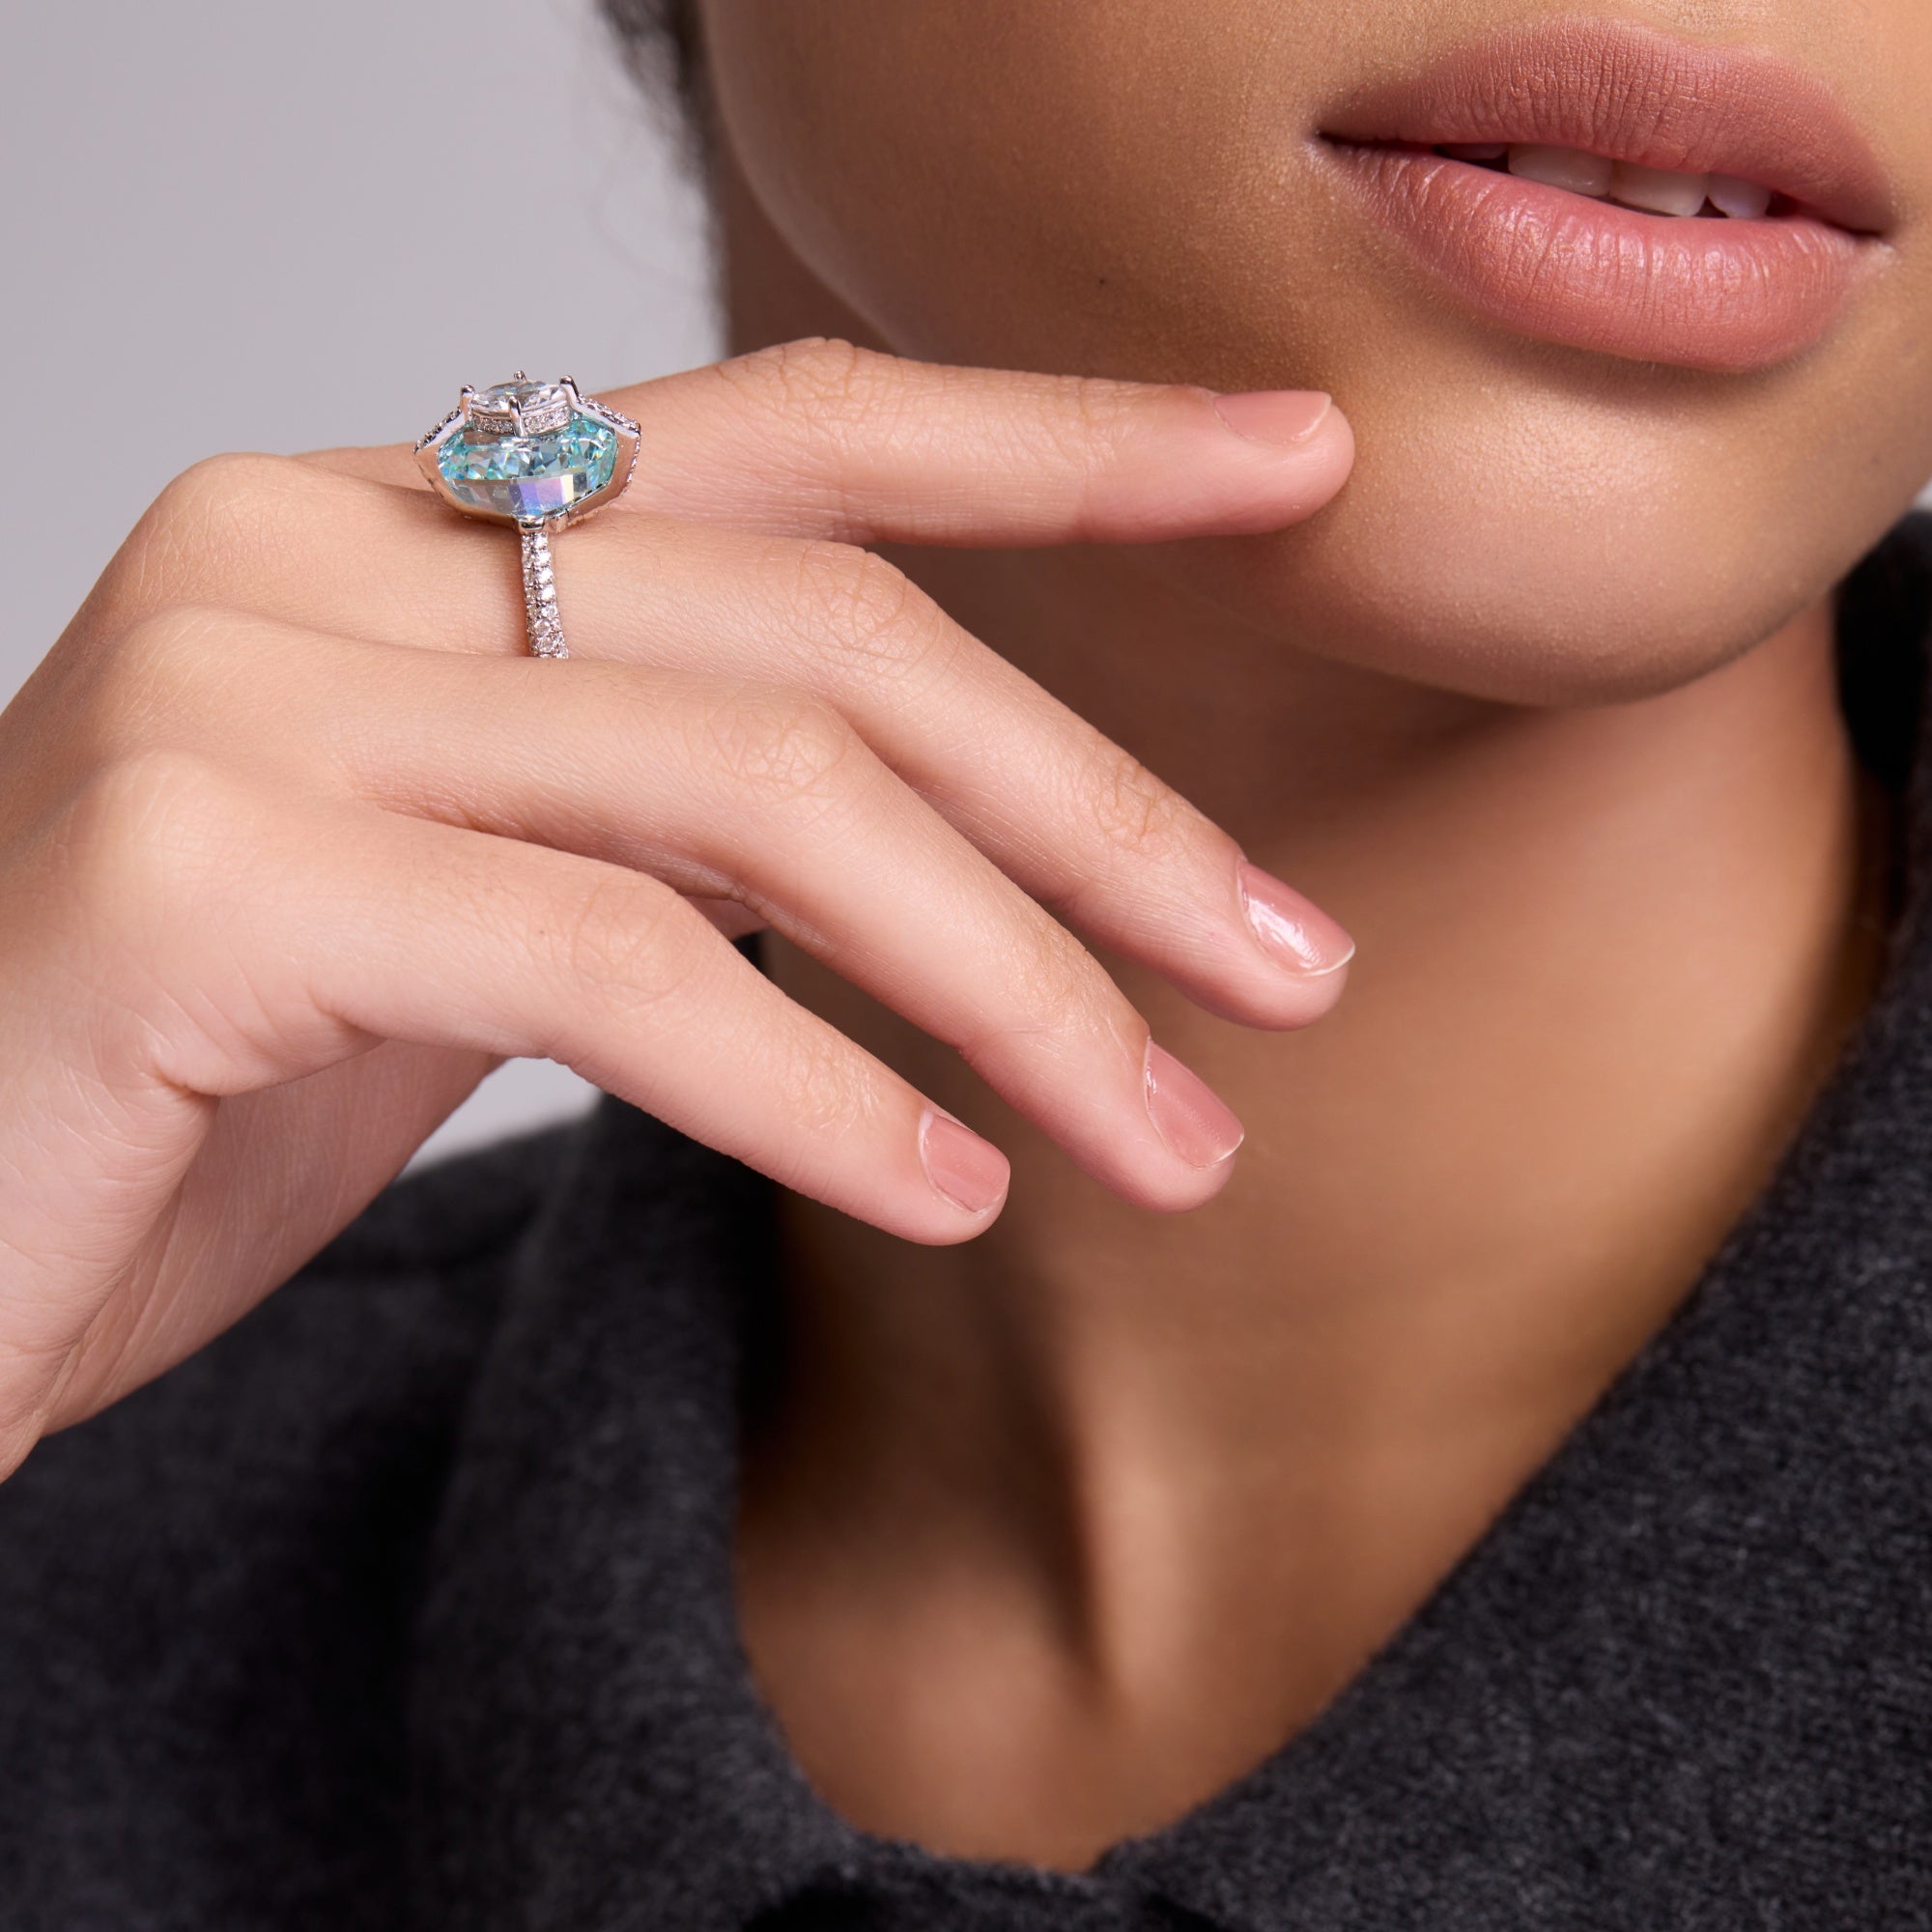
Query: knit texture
[{"x": 407, "y": 1603}]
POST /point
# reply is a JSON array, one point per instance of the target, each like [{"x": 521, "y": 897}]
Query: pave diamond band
[
  {"x": 540, "y": 594},
  {"x": 537, "y": 455}
]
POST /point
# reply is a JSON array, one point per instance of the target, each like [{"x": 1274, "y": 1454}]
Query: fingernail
[
  {"x": 971, "y": 1173},
  {"x": 1302, "y": 936},
  {"x": 1191, "y": 1116},
  {"x": 1274, "y": 415}
]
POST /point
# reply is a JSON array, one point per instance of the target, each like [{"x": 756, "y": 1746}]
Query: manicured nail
[
  {"x": 971, "y": 1173},
  {"x": 1193, "y": 1120},
  {"x": 1302, "y": 936},
  {"x": 1274, "y": 415}
]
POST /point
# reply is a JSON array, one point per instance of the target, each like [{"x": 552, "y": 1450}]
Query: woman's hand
[{"x": 297, "y": 844}]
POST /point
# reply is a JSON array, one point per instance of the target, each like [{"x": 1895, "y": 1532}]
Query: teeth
[
  {"x": 1744, "y": 201},
  {"x": 1562, "y": 167},
  {"x": 1659, "y": 190}
]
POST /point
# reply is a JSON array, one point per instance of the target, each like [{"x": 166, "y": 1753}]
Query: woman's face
[{"x": 1600, "y": 450}]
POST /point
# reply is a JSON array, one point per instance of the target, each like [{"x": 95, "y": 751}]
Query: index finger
[{"x": 825, "y": 439}]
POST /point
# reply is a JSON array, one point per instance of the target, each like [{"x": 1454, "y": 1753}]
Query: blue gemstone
[{"x": 529, "y": 476}]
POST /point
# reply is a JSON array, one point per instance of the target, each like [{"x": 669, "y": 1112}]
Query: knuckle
[
  {"x": 167, "y": 677},
  {"x": 863, "y": 612},
  {"x": 618, "y": 938},
  {"x": 814, "y": 377},
  {"x": 1079, "y": 423},
  {"x": 223, "y": 492},
  {"x": 783, "y": 745},
  {"x": 223, "y": 513},
  {"x": 149, "y": 832},
  {"x": 824, "y": 1093},
  {"x": 1061, "y": 987},
  {"x": 1104, "y": 410},
  {"x": 1135, "y": 810},
  {"x": 1054, "y": 996},
  {"x": 159, "y": 660}
]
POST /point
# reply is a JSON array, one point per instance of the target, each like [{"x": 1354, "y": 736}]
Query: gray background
[{"x": 277, "y": 224}]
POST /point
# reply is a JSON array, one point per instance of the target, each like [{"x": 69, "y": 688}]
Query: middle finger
[{"x": 1065, "y": 813}]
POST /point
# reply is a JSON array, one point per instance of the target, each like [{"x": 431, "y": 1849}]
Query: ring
[{"x": 537, "y": 455}]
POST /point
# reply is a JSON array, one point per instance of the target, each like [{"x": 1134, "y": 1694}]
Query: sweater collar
[{"x": 1609, "y": 1693}]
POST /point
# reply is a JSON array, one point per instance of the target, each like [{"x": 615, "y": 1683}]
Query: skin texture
[
  {"x": 1057, "y": 1517},
  {"x": 1047, "y": 1538}
]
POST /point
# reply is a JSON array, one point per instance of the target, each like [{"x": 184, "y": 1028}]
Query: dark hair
[{"x": 660, "y": 41}]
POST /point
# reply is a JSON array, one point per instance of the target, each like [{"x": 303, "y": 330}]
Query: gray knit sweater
[{"x": 408, "y": 1603}]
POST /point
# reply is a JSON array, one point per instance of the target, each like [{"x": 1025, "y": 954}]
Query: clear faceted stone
[{"x": 528, "y": 476}]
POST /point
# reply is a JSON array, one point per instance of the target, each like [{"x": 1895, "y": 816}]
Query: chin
[
  {"x": 1532, "y": 540},
  {"x": 1514, "y": 602}
]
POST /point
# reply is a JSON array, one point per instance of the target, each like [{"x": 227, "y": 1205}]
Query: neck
[
  {"x": 1211, "y": 1461},
  {"x": 1109, "y": 1505}
]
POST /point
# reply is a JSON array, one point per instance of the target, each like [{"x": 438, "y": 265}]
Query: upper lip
[{"x": 1632, "y": 93}]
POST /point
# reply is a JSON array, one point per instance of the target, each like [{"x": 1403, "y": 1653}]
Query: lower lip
[{"x": 1703, "y": 292}]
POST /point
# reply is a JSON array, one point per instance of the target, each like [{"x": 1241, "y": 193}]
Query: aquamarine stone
[{"x": 529, "y": 476}]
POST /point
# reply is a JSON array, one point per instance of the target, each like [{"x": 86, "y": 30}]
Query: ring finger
[{"x": 1071, "y": 817}]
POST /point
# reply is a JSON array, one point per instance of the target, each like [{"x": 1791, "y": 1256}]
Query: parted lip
[{"x": 1632, "y": 94}]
